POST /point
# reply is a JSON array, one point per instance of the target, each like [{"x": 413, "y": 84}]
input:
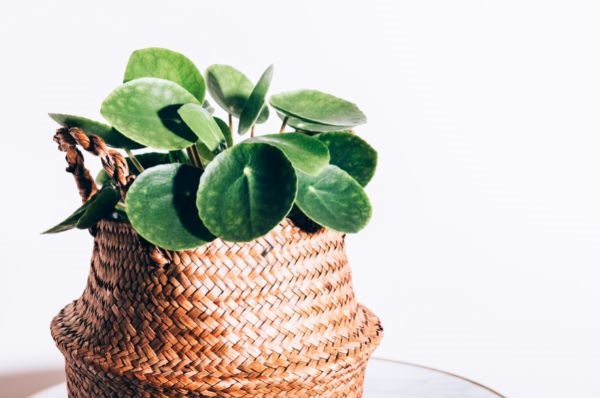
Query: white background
[{"x": 483, "y": 253}]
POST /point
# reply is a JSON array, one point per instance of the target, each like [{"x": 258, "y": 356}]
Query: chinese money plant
[{"x": 195, "y": 183}]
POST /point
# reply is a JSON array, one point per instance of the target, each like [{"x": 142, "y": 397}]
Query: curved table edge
[{"x": 440, "y": 371}]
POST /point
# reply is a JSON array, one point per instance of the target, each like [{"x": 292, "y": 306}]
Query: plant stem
[
  {"x": 230, "y": 119},
  {"x": 192, "y": 156},
  {"x": 134, "y": 160},
  {"x": 283, "y": 124},
  {"x": 252, "y": 130},
  {"x": 121, "y": 206},
  {"x": 197, "y": 155}
]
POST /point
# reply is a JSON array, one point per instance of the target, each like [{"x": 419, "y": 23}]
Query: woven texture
[{"x": 275, "y": 317}]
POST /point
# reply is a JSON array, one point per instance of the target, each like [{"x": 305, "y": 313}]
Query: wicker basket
[{"x": 275, "y": 317}]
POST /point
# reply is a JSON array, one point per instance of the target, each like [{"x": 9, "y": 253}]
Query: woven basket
[{"x": 275, "y": 317}]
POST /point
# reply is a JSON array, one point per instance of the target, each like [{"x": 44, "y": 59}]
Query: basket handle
[{"x": 113, "y": 162}]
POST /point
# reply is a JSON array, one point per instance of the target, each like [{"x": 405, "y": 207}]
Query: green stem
[
  {"x": 134, "y": 160},
  {"x": 197, "y": 155},
  {"x": 192, "y": 156},
  {"x": 230, "y": 119},
  {"x": 283, "y": 124},
  {"x": 121, "y": 206}
]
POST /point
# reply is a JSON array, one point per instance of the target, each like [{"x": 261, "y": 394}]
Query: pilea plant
[{"x": 200, "y": 184}]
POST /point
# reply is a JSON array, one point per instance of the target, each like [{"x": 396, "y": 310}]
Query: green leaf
[
  {"x": 318, "y": 108},
  {"x": 256, "y": 102},
  {"x": 161, "y": 207},
  {"x": 230, "y": 88},
  {"x": 101, "y": 205},
  {"x": 145, "y": 110},
  {"x": 309, "y": 126},
  {"x": 148, "y": 159},
  {"x": 306, "y": 153},
  {"x": 208, "y": 107},
  {"x": 333, "y": 199},
  {"x": 168, "y": 65},
  {"x": 352, "y": 154},
  {"x": 110, "y": 135},
  {"x": 225, "y": 130},
  {"x": 97, "y": 207},
  {"x": 203, "y": 125},
  {"x": 246, "y": 191}
]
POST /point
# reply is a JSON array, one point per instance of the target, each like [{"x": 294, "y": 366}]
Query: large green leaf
[
  {"x": 168, "y": 65},
  {"x": 256, "y": 102},
  {"x": 110, "y": 135},
  {"x": 318, "y": 108},
  {"x": 161, "y": 207},
  {"x": 333, "y": 199},
  {"x": 147, "y": 160},
  {"x": 87, "y": 215},
  {"x": 230, "y": 88},
  {"x": 246, "y": 191},
  {"x": 352, "y": 154},
  {"x": 203, "y": 125},
  {"x": 145, "y": 110},
  {"x": 306, "y": 153}
]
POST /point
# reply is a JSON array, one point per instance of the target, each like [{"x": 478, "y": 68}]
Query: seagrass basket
[{"x": 275, "y": 317}]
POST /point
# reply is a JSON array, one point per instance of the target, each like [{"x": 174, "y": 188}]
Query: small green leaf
[
  {"x": 97, "y": 207},
  {"x": 161, "y": 207},
  {"x": 306, "y": 153},
  {"x": 101, "y": 205},
  {"x": 333, "y": 199},
  {"x": 145, "y": 110},
  {"x": 203, "y": 125},
  {"x": 110, "y": 135},
  {"x": 302, "y": 125},
  {"x": 208, "y": 107},
  {"x": 148, "y": 159},
  {"x": 256, "y": 102},
  {"x": 318, "y": 108},
  {"x": 246, "y": 191},
  {"x": 168, "y": 65},
  {"x": 225, "y": 130},
  {"x": 352, "y": 154},
  {"x": 230, "y": 88}
]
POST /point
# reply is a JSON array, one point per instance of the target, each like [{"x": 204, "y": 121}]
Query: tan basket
[{"x": 275, "y": 317}]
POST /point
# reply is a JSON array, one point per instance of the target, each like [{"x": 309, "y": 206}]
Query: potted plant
[{"x": 218, "y": 267}]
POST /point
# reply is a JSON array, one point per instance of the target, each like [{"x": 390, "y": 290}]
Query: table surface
[{"x": 388, "y": 379}]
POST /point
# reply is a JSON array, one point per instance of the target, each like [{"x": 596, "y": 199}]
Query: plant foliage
[{"x": 203, "y": 185}]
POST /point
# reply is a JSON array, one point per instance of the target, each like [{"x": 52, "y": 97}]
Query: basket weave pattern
[{"x": 275, "y": 317}]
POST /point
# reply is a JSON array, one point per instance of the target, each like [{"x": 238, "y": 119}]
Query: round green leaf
[
  {"x": 352, "y": 154},
  {"x": 319, "y": 108},
  {"x": 230, "y": 88},
  {"x": 98, "y": 206},
  {"x": 306, "y": 153},
  {"x": 161, "y": 207},
  {"x": 333, "y": 199},
  {"x": 256, "y": 102},
  {"x": 202, "y": 124},
  {"x": 168, "y": 65},
  {"x": 246, "y": 191},
  {"x": 110, "y": 135},
  {"x": 145, "y": 110}
]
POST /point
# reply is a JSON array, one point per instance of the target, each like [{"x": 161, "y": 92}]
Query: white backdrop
[{"x": 482, "y": 256}]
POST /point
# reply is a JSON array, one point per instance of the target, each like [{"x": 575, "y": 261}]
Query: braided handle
[{"x": 113, "y": 162}]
